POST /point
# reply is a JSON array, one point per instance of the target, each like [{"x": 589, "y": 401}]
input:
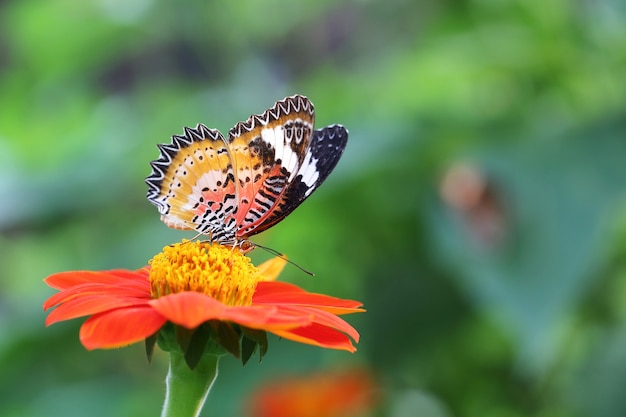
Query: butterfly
[{"x": 231, "y": 189}]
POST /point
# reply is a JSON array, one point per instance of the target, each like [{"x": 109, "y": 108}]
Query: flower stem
[{"x": 187, "y": 389}]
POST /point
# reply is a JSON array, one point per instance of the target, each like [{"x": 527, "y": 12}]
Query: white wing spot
[
  {"x": 309, "y": 172},
  {"x": 276, "y": 138}
]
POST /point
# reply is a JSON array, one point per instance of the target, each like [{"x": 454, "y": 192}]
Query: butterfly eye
[{"x": 245, "y": 246}]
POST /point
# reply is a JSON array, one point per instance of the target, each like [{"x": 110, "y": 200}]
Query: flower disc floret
[{"x": 220, "y": 272}]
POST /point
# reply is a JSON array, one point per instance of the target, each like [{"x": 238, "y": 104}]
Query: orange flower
[
  {"x": 331, "y": 394},
  {"x": 196, "y": 284}
]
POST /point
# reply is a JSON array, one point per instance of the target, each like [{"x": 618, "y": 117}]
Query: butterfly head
[{"x": 245, "y": 245}]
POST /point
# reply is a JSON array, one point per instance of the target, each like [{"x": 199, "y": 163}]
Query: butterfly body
[{"x": 230, "y": 189}]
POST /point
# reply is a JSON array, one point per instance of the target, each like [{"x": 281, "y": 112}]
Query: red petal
[
  {"x": 190, "y": 309},
  {"x": 63, "y": 280},
  {"x": 318, "y": 335},
  {"x": 284, "y": 293},
  {"x": 130, "y": 289},
  {"x": 269, "y": 288},
  {"x": 328, "y": 320},
  {"x": 86, "y": 306},
  {"x": 268, "y": 317},
  {"x": 120, "y": 327}
]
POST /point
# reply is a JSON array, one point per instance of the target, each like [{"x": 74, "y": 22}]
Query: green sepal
[
  {"x": 257, "y": 337},
  {"x": 184, "y": 337},
  {"x": 167, "y": 339},
  {"x": 248, "y": 346},
  {"x": 197, "y": 346},
  {"x": 211, "y": 338},
  {"x": 227, "y": 337},
  {"x": 150, "y": 343}
]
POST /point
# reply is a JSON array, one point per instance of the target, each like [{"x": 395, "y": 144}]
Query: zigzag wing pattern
[
  {"x": 269, "y": 150},
  {"x": 193, "y": 184}
]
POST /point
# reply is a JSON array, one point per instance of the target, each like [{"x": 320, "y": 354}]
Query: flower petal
[
  {"x": 327, "y": 319},
  {"x": 63, "y": 280},
  {"x": 269, "y": 317},
  {"x": 190, "y": 309},
  {"x": 318, "y": 335},
  {"x": 94, "y": 304},
  {"x": 120, "y": 327},
  {"x": 130, "y": 289},
  {"x": 284, "y": 293},
  {"x": 272, "y": 268}
]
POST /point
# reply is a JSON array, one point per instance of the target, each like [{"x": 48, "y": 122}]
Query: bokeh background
[{"x": 478, "y": 211}]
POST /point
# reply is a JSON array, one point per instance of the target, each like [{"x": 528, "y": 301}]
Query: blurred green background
[{"x": 478, "y": 211}]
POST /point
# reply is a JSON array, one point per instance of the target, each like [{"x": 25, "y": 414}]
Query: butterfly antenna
[{"x": 281, "y": 256}]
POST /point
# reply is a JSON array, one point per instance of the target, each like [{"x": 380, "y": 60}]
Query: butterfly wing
[
  {"x": 269, "y": 150},
  {"x": 320, "y": 159},
  {"x": 193, "y": 184},
  {"x": 230, "y": 190}
]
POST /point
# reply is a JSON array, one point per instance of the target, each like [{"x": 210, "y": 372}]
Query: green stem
[{"x": 187, "y": 389}]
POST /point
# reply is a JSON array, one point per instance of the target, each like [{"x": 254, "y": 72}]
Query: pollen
[{"x": 218, "y": 271}]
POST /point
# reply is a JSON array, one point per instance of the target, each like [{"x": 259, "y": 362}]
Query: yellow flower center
[{"x": 218, "y": 271}]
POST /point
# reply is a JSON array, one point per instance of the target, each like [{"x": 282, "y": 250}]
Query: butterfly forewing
[
  {"x": 193, "y": 183},
  {"x": 269, "y": 149}
]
